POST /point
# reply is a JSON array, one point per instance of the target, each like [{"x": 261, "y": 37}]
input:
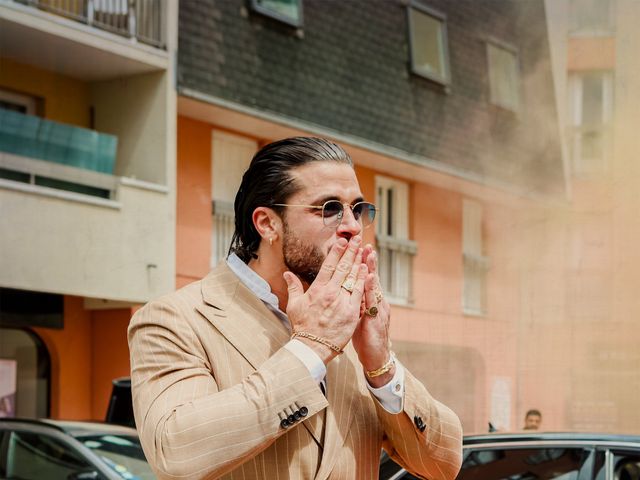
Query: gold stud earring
[{"x": 271, "y": 241}]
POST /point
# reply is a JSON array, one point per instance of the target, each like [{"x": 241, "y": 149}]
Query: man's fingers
[
  {"x": 343, "y": 268},
  {"x": 370, "y": 289},
  {"x": 294, "y": 285},
  {"x": 329, "y": 264},
  {"x": 358, "y": 289}
]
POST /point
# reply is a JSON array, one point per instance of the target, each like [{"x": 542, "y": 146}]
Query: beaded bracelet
[{"x": 321, "y": 340}]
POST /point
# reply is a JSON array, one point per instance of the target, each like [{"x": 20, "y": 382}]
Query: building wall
[
  {"x": 86, "y": 355},
  {"x": 63, "y": 99},
  {"x": 193, "y": 209}
]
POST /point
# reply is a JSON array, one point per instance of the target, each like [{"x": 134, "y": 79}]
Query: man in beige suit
[{"x": 277, "y": 365}]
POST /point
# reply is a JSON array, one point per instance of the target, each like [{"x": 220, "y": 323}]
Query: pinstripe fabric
[{"x": 211, "y": 382}]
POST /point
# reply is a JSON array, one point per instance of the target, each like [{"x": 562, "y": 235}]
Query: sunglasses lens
[
  {"x": 332, "y": 212},
  {"x": 365, "y": 212}
]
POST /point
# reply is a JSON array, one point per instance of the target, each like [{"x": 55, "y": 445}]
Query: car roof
[
  {"x": 531, "y": 436},
  {"x": 76, "y": 428}
]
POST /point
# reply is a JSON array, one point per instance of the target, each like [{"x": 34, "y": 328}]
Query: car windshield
[{"x": 121, "y": 453}]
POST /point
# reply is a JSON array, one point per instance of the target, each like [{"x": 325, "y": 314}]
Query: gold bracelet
[
  {"x": 321, "y": 340},
  {"x": 383, "y": 369}
]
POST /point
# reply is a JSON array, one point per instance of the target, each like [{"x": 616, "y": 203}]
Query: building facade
[
  {"x": 87, "y": 197},
  {"x": 448, "y": 111}
]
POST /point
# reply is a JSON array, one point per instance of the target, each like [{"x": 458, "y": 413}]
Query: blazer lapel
[
  {"x": 253, "y": 330},
  {"x": 241, "y": 316}
]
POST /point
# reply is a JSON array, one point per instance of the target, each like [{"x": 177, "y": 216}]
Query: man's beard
[{"x": 302, "y": 259}]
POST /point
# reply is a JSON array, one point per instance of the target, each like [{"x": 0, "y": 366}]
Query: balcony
[
  {"x": 142, "y": 20},
  {"x": 90, "y": 40}
]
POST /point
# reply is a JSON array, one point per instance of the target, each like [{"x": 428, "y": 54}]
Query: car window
[
  {"x": 30, "y": 455},
  {"x": 626, "y": 466},
  {"x": 122, "y": 453},
  {"x": 523, "y": 464}
]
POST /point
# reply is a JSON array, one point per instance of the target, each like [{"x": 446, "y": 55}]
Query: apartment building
[{"x": 87, "y": 197}]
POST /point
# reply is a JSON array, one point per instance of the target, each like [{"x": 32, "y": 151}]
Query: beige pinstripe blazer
[{"x": 211, "y": 384}]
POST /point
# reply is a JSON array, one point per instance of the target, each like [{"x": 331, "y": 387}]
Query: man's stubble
[{"x": 302, "y": 258}]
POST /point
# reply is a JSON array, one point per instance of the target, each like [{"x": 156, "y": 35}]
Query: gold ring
[
  {"x": 379, "y": 296},
  {"x": 371, "y": 311},
  {"x": 348, "y": 285}
]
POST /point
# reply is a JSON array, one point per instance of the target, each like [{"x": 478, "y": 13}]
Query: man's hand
[
  {"x": 326, "y": 309},
  {"x": 371, "y": 337}
]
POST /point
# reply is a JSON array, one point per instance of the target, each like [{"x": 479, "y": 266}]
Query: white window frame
[
  {"x": 395, "y": 249},
  {"x": 588, "y": 166},
  {"x": 230, "y": 157},
  {"x": 416, "y": 8},
  {"x": 495, "y": 96},
  {"x": 475, "y": 263},
  {"x": 604, "y": 26},
  {"x": 29, "y": 102}
]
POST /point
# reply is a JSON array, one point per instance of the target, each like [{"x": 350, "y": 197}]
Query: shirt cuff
[
  {"x": 391, "y": 395},
  {"x": 311, "y": 360}
]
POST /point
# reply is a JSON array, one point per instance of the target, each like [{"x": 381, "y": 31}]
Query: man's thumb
[{"x": 294, "y": 285}]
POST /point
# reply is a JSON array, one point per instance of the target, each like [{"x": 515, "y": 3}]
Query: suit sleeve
[
  {"x": 433, "y": 451},
  {"x": 188, "y": 427}
]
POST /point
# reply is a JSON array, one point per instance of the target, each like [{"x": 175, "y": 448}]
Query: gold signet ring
[
  {"x": 371, "y": 311},
  {"x": 348, "y": 285}
]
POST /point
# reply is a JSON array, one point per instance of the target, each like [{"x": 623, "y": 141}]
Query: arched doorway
[{"x": 25, "y": 378}]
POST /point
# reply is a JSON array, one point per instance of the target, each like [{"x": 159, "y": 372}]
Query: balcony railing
[
  {"x": 396, "y": 267},
  {"x": 56, "y": 155},
  {"x": 590, "y": 149},
  {"x": 223, "y": 228},
  {"x": 143, "y": 20}
]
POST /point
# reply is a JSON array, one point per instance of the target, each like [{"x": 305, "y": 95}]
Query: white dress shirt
[{"x": 390, "y": 396}]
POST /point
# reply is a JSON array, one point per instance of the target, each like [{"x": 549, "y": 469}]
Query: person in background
[{"x": 532, "y": 420}]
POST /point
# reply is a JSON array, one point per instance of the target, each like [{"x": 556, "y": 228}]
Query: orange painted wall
[
  {"x": 86, "y": 355},
  {"x": 194, "y": 218},
  {"x": 64, "y": 99},
  {"x": 70, "y": 351},
  {"x": 591, "y": 53},
  {"x": 109, "y": 355}
]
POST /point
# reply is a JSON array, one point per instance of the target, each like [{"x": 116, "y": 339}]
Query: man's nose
[{"x": 349, "y": 226}]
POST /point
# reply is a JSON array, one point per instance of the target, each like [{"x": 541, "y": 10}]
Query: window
[
  {"x": 428, "y": 40},
  {"x": 287, "y": 11},
  {"x": 591, "y": 17},
  {"x": 37, "y": 455},
  {"x": 504, "y": 79},
  {"x": 475, "y": 264},
  {"x": 590, "y": 114},
  {"x": 395, "y": 249},
  {"x": 231, "y": 155},
  {"x": 549, "y": 463},
  {"x": 18, "y": 102}
]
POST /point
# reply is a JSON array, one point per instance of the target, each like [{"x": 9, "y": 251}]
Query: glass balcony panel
[{"x": 33, "y": 137}]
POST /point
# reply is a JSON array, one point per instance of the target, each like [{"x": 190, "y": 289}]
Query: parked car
[
  {"x": 544, "y": 456},
  {"x": 52, "y": 449}
]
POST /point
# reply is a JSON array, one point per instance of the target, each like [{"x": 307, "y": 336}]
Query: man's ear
[{"x": 267, "y": 223}]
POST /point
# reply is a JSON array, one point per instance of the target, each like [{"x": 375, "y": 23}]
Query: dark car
[
  {"x": 529, "y": 456},
  {"x": 52, "y": 449}
]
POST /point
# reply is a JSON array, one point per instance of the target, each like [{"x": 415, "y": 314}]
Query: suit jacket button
[
  {"x": 284, "y": 423},
  {"x": 304, "y": 411},
  {"x": 297, "y": 415},
  {"x": 418, "y": 421},
  {"x": 291, "y": 419},
  {"x": 422, "y": 428}
]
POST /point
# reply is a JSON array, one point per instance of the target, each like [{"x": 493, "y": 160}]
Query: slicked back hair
[{"x": 268, "y": 181}]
